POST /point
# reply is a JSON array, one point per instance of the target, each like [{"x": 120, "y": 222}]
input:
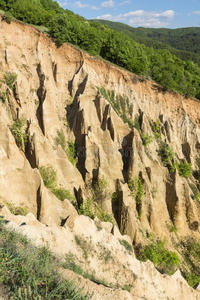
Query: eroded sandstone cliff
[{"x": 66, "y": 90}]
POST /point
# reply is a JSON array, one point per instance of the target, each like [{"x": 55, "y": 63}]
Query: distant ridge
[{"x": 183, "y": 42}]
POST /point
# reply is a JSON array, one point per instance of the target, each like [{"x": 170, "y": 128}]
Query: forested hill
[
  {"x": 183, "y": 42},
  {"x": 118, "y": 47}
]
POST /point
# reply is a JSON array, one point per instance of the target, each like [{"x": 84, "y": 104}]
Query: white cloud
[
  {"x": 107, "y": 4},
  {"x": 197, "y": 12},
  {"x": 78, "y": 4},
  {"x": 124, "y": 3},
  {"x": 94, "y": 7},
  {"x": 112, "y": 18},
  {"x": 143, "y": 18}
]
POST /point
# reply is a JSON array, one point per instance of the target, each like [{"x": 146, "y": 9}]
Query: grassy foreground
[{"x": 27, "y": 272}]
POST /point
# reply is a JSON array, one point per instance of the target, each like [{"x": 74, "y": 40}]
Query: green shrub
[
  {"x": 90, "y": 210},
  {"x": 146, "y": 139},
  {"x": 162, "y": 258},
  {"x": 19, "y": 132},
  {"x": 49, "y": 176},
  {"x": 63, "y": 194},
  {"x": 10, "y": 78},
  {"x": 137, "y": 189},
  {"x": 156, "y": 129},
  {"x": 195, "y": 191},
  {"x": 103, "y": 216},
  {"x": 171, "y": 228},
  {"x": 17, "y": 210},
  {"x": 185, "y": 169},
  {"x": 101, "y": 190},
  {"x": 192, "y": 279},
  {"x": 86, "y": 209},
  {"x": 126, "y": 245},
  {"x": 166, "y": 153},
  {"x": 173, "y": 167},
  {"x": 194, "y": 249},
  {"x": 31, "y": 273},
  {"x": 7, "y": 17},
  {"x": 71, "y": 152}
]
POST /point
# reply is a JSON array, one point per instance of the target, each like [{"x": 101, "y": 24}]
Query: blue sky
[{"x": 146, "y": 13}]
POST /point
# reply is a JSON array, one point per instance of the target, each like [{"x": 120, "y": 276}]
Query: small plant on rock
[
  {"x": 101, "y": 190},
  {"x": 166, "y": 153},
  {"x": 9, "y": 79},
  {"x": 19, "y": 132},
  {"x": 185, "y": 169},
  {"x": 62, "y": 194},
  {"x": 195, "y": 190},
  {"x": 71, "y": 152},
  {"x": 126, "y": 245},
  {"x": 86, "y": 209},
  {"x": 146, "y": 139},
  {"x": 49, "y": 176},
  {"x": 156, "y": 129},
  {"x": 137, "y": 189},
  {"x": 17, "y": 210},
  {"x": 163, "y": 259}
]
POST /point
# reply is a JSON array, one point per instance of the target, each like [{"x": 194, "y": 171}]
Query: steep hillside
[
  {"x": 123, "y": 151},
  {"x": 118, "y": 47}
]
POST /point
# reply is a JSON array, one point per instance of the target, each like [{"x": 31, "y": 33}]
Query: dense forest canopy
[
  {"x": 156, "y": 63},
  {"x": 183, "y": 42}
]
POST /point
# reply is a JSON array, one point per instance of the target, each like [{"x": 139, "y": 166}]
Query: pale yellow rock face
[{"x": 57, "y": 89}]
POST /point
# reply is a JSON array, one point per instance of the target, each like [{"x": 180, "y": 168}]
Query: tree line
[{"x": 115, "y": 46}]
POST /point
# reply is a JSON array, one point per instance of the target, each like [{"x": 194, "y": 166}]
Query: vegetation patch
[
  {"x": 137, "y": 189},
  {"x": 146, "y": 139},
  {"x": 126, "y": 245},
  {"x": 101, "y": 190},
  {"x": 18, "y": 130},
  {"x": 185, "y": 169},
  {"x": 62, "y": 194},
  {"x": 49, "y": 177},
  {"x": 9, "y": 79},
  {"x": 171, "y": 228},
  {"x": 121, "y": 105},
  {"x": 90, "y": 209},
  {"x": 17, "y": 210},
  {"x": 71, "y": 152},
  {"x": 195, "y": 192},
  {"x": 166, "y": 153},
  {"x": 155, "y": 126},
  {"x": 31, "y": 273},
  {"x": 164, "y": 260},
  {"x": 87, "y": 209}
]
